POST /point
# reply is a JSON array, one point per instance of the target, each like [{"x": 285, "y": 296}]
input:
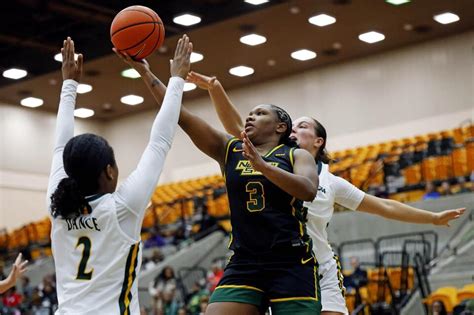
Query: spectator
[
  {"x": 12, "y": 300},
  {"x": 155, "y": 259},
  {"x": 204, "y": 304},
  {"x": 437, "y": 308},
  {"x": 182, "y": 311},
  {"x": 2, "y": 272},
  {"x": 155, "y": 239},
  {"x": 463, "y": 187},
  {"x": 431, "y": 192},
  {"x": 358, "y": 278},
  {"x": 446, "y": 189},
  {"x": 170, "y": 303},
  {"x": 165, "y": 281},
  {"x": 215, "y": 275},
  {"x": 26, "y": 288},
  {"x": 198, "y": 291}
]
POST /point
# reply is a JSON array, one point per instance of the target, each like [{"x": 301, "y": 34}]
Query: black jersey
[{"x": 265, "y": 219}]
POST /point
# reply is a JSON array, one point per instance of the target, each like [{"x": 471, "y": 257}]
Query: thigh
[
  {"x": 332, "y": 290},
  {"x": 241, "y": 285},
  {"x": 231, "y": 308},
  {"x": 294, "y": 289}
]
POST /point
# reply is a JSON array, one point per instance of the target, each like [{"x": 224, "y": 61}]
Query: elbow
[{"x": 309, "y": 194}]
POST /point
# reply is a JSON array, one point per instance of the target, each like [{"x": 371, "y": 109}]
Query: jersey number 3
[
  {"x": 82, "y": 274},
  {"x": 256, "y": 200}
]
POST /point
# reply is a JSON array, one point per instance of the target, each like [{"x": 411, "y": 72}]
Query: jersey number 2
[
  {"x": 82, "y": 274},
  {"x": 256, "y": 200}
]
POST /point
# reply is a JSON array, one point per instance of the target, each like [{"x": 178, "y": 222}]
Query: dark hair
[
  {"x": 284, "y": 117},
  {"x": 84, "y": 158},
  {"x": 320, "y": 131}
]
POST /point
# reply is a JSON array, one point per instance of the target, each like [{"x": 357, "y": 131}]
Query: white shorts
[{"x": 332, "y": 288}]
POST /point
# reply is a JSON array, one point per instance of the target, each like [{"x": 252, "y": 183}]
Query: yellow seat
[
  {"x": 446, "y": 295},
  {"x": 466, "y": 293}
]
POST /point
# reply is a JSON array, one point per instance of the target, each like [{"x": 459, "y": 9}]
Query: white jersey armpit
[
  {"x": 332, "y": 189},
  {"x": 97, "y": 256}
]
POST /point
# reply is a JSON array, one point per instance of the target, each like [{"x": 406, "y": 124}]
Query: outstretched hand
[
  {"x": 181, "y": 63},
  {"x": 443, "y": 218},
  {"x": 71, "y": 68},
  {"x": 251, "y": 153},
  {"x": 141, "y": 66},
  {"x": 202, "y": 81}
]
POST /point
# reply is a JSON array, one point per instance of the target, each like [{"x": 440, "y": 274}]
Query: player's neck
[{"x": 264, "y": 148}]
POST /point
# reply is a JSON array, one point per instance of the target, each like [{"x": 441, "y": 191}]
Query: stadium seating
[{"x": 446, "y": 295}]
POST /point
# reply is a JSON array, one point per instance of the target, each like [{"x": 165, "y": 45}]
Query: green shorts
[{"x": 287, "y": 287}]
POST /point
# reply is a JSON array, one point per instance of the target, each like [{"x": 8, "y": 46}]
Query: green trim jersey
[{"x": 265, "y": 219}]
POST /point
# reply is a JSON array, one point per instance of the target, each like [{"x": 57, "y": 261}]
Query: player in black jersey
[{"x": 267, "y": 179}]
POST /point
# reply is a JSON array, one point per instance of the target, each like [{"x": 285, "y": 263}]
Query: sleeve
[
  {"x": 63, "y": 133},
  {"x": 346, "y": 194},
  {"x": 134, "y": 194}
]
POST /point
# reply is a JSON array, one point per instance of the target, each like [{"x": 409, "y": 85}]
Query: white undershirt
[
  {"x": 133, "y": 195},
  {"x": 332, "y": 189}
]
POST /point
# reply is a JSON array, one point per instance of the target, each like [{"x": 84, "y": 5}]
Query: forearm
[
  {"x": 297, "y": 186},
  {"x": 401, "y": 212},
  {"x": 5, "y": 285},
  {"x": 228, "y": 114}
]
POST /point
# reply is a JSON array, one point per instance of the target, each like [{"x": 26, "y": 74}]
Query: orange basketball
[{"x": 138, "y": 31}]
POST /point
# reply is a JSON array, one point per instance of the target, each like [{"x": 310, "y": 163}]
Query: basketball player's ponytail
[
  {"x": 284, "y": 117},
  {"x": 322, "y": 154},
  {"x": 85, "y": 157}
]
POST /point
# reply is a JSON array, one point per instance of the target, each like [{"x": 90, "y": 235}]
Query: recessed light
[
  {"x": 397, "y": 2},
  {"x": 84, "y": 88},
  {"x": 187, "y": 19},
  {"x": 14, "y": 73},
  {"x": 83, "y": 112},
  {"x": 196, "y": 57},
  {"x": 59, "y": 57},
  {"x": 130, "y": 73},
  {"x": 446, "y": 18},
  {"x": 31, "y": 102},
  {"x": 131, "y": 99},
  {"x": 322, "y": 20},
  {"x": 303, "y": 54},
  {"x": 253, "y": 39},
  {"x": 256, "y": 2},
  {"x": 241, "y": 71},
  {"x": 371, "y": 37},
  {"x": 189, "y": 86}
]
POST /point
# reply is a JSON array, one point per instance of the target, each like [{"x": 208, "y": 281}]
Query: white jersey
[
  {"x": 332, "y": 189},
  {"x": 97, "y": 256},
  {"x": 96, "y": 263}
]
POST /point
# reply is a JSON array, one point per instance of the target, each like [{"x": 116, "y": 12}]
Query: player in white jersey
[
  {"x": 311, "y": 136},
  {"x": 96, "y": 228}
]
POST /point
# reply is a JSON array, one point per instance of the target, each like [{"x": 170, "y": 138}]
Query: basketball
[{"x": 138, "y": 31}]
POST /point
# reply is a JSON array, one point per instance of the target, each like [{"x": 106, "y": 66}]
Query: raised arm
[
  {"x": 134, "y": 194},
  {"x": 18, "y": 269},
  {"x": 301, "y": 184},
  {"x": 228, "y": 114},
  {"x": 208, "y": 139},
  {"x": 395, "y": 210},
  {"x": 72, "y": 72}
]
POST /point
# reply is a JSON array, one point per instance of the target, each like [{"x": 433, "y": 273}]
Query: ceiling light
[
  {"x": 322, "y": 20},
  {"x": 195, "y": 57},
  {"x": 189, "y": 86},
  {"x": 132, "y": 99},
  {"x": 130, "y": 73},
  {"x": 253, "y": 39},
  {"x": 371, "y": 37},
  {"x": 31, "y": 102},
  {"x": 446, "y": 18},
  {"x": 84, "y": 88},
  {"x": 187, "y": 19},
  {"x": 241, "y": 71},
  {"x": 59, "y": 57},
  {"x": 397, "y": 2},
  {"x": 14, "y": 73},
  {"x": 256, "y": 2},
  {"x": 303, "y": 54},
  {"x": 83, "y": 112}
]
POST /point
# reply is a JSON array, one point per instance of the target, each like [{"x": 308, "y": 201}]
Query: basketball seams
[{"x": 131, "y": 25}]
